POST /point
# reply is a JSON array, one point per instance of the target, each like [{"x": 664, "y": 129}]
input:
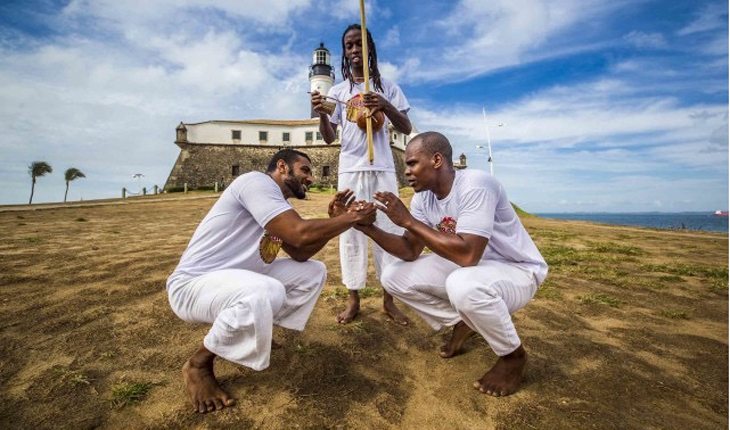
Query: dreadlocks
[{"x": 372, "y": 60}]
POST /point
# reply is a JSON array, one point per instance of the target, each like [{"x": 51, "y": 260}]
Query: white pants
[
  {"x": 354, "y": 244},
  {"x": 243, "y": 305},
  {"x": 482, "y": 296}
]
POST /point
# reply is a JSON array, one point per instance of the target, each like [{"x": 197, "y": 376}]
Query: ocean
[{"x": 671, "y": 221}]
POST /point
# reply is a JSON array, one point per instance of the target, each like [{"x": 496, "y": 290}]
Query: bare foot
[
  {"x": 392, "y": 310},
  {"x": 459, "y": 335},
  {"x": 505, "y": 376},
  {"x": 352, "y": 309},
  {"x": 203, "y": 389}
]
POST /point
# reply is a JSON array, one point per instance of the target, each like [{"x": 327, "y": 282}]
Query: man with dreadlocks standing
[{"x": 386, "y": 104}]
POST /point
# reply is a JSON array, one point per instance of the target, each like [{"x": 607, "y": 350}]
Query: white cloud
[
  {"x": 484, "y": 36},
  {"x": 104, "y": 90},
  {"x": 718, "y": 46},
  {"x": 392, "y": 37},
  {"x": 711, "y": 17},
  {"x": 389, "y": 70},
  {"x": 588, "y": 141},
  {"x": 350, "y": 10},
  {"x": 569, "y": 115},
  {"x": 142, "y": 12},
  {"x": 109, "y": 105},
  {"x": 646, "y": 40}
]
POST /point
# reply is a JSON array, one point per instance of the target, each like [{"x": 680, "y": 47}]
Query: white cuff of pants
[
  {"x": 482, "y": 296},
  {"x": 243, "y": 305}
]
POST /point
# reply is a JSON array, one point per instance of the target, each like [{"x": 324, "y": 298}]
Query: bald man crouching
[{"x": 484, "y": 265}]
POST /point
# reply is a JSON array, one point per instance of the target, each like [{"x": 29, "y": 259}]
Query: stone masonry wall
[{"x": 201, "y": 165}]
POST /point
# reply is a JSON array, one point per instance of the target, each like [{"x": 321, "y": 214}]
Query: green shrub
[
  {"x": 599, "y": 298},
  {"x": 125, "y": 393},
  {"x": 674, "y": 314}
]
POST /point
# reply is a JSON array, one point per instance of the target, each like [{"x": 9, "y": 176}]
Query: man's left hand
[
  {"x": 367, "y": 209},
  {"x": 340, "y": 203},
  {"x": 375, "y": 102}
]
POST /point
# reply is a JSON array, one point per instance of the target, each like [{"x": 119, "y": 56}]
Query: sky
[{"x": 617, "y": 106}]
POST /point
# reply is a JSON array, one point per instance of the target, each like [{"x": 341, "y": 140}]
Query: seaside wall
[{"x": 202, "y": 165}]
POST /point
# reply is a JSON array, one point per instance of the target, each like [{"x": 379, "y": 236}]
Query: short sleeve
[
  {"x": 398, "y": 99},
  {"x": 476, "y": 212},
  {"x": 417, "y": 210},
  {"x": 262, "y": 198}
]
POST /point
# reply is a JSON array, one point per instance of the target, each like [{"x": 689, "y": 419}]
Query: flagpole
[{"x": 489, "y": 141}]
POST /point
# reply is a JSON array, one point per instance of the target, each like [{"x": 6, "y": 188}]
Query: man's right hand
[{"x": 318, "y": 102}]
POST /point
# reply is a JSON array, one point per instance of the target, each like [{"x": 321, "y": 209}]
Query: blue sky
[{"x": 607, "y": 106}]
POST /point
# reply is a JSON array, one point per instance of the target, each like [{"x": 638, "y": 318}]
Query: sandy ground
[{"x": 629, "y": 331}]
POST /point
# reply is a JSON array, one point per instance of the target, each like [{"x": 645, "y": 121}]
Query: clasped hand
[{"x": 344, "y": 201}]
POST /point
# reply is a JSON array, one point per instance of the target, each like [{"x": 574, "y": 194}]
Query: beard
[{"x": 295, "y": 186}]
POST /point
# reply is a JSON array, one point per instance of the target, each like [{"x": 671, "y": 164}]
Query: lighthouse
[{"x": 321, "y": 75}]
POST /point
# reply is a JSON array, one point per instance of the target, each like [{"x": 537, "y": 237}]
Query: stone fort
[{"x": 218, "y": 151}]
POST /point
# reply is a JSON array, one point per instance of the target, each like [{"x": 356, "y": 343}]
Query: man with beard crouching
[{"x": 229, "y": 275}]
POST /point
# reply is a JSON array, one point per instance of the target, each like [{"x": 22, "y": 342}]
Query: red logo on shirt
[
  {"x": 354, "y": 108},
  {"x": 447, "y": 225}
]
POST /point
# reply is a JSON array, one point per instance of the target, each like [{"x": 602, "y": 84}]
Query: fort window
[
  {"x": 236, "y": 134},
  {"x": 285, "y": 137},
  {"x": 319, "y": 136},
  {"x": 308, "y": 137},
  {"x": 263, "y": 136},
  {"x": 235, "y": 170},
  {"x": 325, "y": 171}
]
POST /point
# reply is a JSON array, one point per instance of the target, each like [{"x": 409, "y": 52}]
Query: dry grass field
[{"x": 629, "y": 332}]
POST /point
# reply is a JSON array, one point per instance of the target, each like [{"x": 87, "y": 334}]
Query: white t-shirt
[
  {"x": 477, "y": 204},
  {"x": 354, "y": 150},
  {"x": 230, "y": 235}
]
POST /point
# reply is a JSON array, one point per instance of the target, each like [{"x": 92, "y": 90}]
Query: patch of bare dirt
[{"x": 629, "y": 331}]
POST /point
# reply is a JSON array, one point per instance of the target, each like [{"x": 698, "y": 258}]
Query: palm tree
[
  {"x": 37, "y": 169},
  {"x": 70, "y": 175}
]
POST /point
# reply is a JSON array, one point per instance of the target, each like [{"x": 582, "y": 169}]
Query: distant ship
[{"x": 721, "y": 213}]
